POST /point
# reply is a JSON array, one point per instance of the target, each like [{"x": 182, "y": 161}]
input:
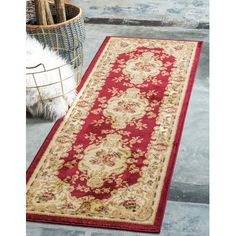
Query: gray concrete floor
[
  {"x": 187, "y": 211},
  {"x": 185, "y": 13}
]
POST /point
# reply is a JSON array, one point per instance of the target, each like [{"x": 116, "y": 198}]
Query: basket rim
[{"x": 33, "y": 27}]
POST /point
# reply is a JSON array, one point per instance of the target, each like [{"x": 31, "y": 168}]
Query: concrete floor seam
[{"x": 136, "y": 22}]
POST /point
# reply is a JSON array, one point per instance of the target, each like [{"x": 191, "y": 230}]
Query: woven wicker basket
[
  {"x": 71, "y": 32},
  {"x": 65, "y": 38}
]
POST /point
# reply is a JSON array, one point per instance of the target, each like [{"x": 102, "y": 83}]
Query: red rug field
[{"x": 109, "y": 161}]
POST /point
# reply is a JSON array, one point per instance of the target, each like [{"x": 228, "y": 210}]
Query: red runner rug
[{"x": 109, "y": 161}]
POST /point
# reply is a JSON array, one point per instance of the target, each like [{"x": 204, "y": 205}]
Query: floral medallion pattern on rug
[
  {"x": 125, "y": 108},
  {"x": 109, "y": 156}
]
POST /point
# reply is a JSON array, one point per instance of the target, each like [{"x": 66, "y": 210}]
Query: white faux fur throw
[{"x": 54, "y": 108}]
